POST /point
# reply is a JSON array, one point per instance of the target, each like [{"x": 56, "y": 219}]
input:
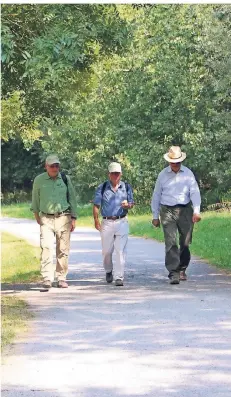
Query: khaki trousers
[
  {"x": 60, "y": 227},
  {"x": 114, "y": 236},
  {"x": 177, "y": 219}
]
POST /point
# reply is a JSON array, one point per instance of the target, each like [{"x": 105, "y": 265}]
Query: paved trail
[{"x": 145, "y": 339}]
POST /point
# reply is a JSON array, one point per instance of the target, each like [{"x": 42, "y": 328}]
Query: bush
[{"x": 18, "y": 196}]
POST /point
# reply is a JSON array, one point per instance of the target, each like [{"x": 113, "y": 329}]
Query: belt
[
  {"x": 176, "y": 206},
  {"x": 57, "y": 213},
  {"x": 113, "y": 218}
]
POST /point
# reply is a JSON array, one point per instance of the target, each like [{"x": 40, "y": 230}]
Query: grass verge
[
  {"x": 20, "y": 210},
  {"x": 15, "y": 314},
  {"x": 212, "y": 238},
  {"x": 20, "y": 260},
  {"x": 20, "y": 264}
]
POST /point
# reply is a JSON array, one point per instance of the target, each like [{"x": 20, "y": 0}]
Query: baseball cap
[
  {"x": 114, "y": 167},
  {"x": 52, "y": 159}
]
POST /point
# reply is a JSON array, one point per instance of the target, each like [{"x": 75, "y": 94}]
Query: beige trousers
[
  {"x": 114, "y": 236},
  {"x": 60, "y": 227}
]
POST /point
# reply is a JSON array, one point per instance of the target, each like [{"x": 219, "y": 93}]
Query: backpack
[{"x": 64, "y": 178}]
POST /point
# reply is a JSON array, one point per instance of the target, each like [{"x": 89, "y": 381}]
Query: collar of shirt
[
  {"x": 119, "y": 186},
  {"x": 169, "y": 169},
  {"x": 49, "y": 177}
]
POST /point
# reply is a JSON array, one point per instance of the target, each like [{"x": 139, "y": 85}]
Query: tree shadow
[{"x": 147, "y": 338}]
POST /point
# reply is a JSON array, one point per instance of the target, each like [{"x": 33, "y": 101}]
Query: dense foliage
[{"x": 96, "y": 83}]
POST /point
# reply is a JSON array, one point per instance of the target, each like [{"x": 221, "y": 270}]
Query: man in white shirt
[{"x": 176, "y": 201}]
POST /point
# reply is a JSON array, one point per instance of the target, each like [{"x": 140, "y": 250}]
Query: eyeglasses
[
  {"x": 115, "y": 173},
  {"x": 56, "y": 165}
]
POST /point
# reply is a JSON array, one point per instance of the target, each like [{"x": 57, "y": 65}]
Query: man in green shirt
[{"x": 54, "y": 206}]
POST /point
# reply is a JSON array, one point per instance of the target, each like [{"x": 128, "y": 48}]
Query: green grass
[
  {"x": 20, "y": 261},
  {"x": 20, "y": 264},
  {"x": 211, "y": 237},
  {"x": 21, "y": 210},
  {"x": 141, "y": 225},
  {"x": 15, "y": 313}
]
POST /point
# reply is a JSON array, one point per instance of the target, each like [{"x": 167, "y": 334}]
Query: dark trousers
[{"x": 173, "y": 219}]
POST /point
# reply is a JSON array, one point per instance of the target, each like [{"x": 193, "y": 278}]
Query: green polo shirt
[{"x": 50, "y": 195}]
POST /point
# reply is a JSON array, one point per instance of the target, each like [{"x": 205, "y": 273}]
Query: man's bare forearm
[
  {"x": 96, "y": 217},
  {"x": 96, "y": 212}
]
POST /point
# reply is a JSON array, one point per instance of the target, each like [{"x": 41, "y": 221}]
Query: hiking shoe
[
  {"x": 183, "y": 275},
  {"x": 174, "y": 279},
  {"x": 119, "y": 282},
  {"x": 109, "y": 277},
  {"x": 47, "y": 284},
  {"x": 62, "y": 284}
]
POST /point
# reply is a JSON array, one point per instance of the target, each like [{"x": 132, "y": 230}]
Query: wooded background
[{"x": 96, "y": 83}]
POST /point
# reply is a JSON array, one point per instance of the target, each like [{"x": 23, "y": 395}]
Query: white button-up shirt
[{"x": 175, "y": 188}]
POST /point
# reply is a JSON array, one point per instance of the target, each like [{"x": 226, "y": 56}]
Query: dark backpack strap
[
  {"x": 127, "y": 186},
  {"x": 64, "y": 178},
  {"x": 103, "y": 188}
]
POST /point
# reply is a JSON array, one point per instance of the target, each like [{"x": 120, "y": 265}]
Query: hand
[
  {"x": 196, "y": 218},
  {"x": 156, "y": 222},
  {"x": 38, "y": 220},
  {"x": 73, "y": 224},
  {"x": 97, "y": 225},
  {"x": 125, "y": 204}
]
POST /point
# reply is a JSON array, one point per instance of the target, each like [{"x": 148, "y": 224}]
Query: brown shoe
[
  {"x": 62, "y": 284},
  {"x": 183, "y": 275},
  {"x": 46, "y": 284}
]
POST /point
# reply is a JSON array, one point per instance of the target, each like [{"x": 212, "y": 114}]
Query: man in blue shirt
[
  {"x": 113, "y": 198},
  {"x": 176, "y": 199}
]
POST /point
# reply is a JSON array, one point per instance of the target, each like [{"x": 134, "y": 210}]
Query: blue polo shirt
[{"x": 110, "y": 202}]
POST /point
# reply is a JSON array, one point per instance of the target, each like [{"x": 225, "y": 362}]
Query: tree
[
  {"x": 148, "y": 77},
  {"x": 47, "y": 50}
]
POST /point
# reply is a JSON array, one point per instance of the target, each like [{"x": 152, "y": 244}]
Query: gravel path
[{"x": 147, "y": 338}]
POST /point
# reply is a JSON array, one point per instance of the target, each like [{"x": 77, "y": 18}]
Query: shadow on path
[{"x": 147, "y": 338}]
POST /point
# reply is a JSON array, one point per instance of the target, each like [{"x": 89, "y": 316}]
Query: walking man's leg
[
  {"x": 121, "y": 239},
  {"x": 172, "y": 255},
  {"x": 107, "y": 240},
  {"x": 185, "y": 227},
  {"x": 63, "y": 234},
  {"x": 46, "y": 244}
]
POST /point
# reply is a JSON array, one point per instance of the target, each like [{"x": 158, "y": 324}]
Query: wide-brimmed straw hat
[{"x": 175, "y": 155}]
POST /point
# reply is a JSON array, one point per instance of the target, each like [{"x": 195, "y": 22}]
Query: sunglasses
[{"x": 56, "y": 165}]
